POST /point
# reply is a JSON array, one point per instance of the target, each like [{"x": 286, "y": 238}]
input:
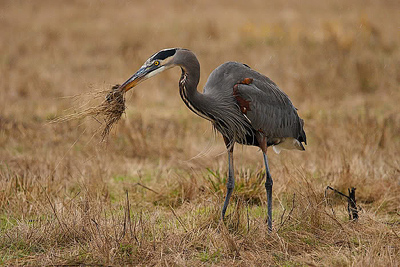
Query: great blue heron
[{"x": 245, "y": 106}]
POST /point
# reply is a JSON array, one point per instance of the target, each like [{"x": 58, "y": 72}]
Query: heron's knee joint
[{"x": 269, "y": 183}]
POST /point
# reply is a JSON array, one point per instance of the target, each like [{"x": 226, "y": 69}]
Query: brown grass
[
  {"x": 109, "y": 111},
  {"x": 152, "y": 194}
]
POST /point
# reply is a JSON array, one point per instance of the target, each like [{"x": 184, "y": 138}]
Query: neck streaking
[
  {"x": 220, "y": 109},
  {"x": 188, "y": 96}
]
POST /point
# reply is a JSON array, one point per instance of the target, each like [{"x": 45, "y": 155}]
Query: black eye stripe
[{"x": 164, "y": 54}]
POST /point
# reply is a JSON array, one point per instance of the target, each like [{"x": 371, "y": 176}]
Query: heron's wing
[{"x": 270, "y": 110}]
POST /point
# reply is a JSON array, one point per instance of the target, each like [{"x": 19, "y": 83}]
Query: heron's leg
[
  {"x": 231, "y": 179},
  {"x": 268, "y": 187}
]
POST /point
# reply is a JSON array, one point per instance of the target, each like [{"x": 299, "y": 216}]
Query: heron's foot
[
  {"x": 226, "y": 202},
  {"x": 222, "y": 216}
]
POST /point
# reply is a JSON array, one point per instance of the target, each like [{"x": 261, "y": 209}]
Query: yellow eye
[{"x": 156, "y": 63}]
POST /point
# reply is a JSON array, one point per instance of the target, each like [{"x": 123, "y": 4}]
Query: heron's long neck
[
  {"x": 190, "y": 78},
  {"x": 220, "y": 110}
]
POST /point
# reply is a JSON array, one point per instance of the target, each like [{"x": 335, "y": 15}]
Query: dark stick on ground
[
  {"x": 351, "y": 201},
  {"x": 351, "y": 204}
]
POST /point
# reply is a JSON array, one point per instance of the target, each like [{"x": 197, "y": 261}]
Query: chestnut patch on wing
[
  {"x": 243, "y": 103},
  {"x": 246, "y": 81}
]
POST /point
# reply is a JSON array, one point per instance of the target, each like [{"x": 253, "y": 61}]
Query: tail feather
[
  {"x": 289, "y": 144},
  {"x": 302, "y": 137}
]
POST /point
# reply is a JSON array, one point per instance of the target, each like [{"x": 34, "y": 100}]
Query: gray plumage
[
  {"x": 270, "y": 109},
  {"x": 245, "y": 106}
]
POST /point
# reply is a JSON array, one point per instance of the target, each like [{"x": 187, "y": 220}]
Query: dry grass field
[{"x": 152, "y": 194}]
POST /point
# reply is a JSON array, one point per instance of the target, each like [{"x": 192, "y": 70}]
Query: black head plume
[{"x": 163, "y": 54}]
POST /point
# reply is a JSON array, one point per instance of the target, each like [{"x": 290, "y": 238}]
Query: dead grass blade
[
  {"x": 177, "y": 217},
  {"x": 108, "y": 112}
]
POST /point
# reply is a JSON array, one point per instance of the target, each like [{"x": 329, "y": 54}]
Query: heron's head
[{"x": 157, "y": 63}]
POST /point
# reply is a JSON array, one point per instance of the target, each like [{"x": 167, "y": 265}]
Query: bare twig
[
  {"x": 129, "y": 213},
  {"x": 351, "y": 204},
  {"x": 290, "y": 212},
  {"x": 177, "y": 217},
  {"x": 114, "y": 228},
  {"x": 95, "y": 223},
  {"x": 351, "y": 201},
  {"x": 63, "y": 225},
  {"x": 283, "y": 214},
  {"x": 248, "y": 219},
  {"x": 145, "y": 187},
  {"x": 228, "y": 238},
  {"x": 327, "y": 202},
  {"x": 125, "y": 218},
  {"x": 54, "y": 211},
  {"x": 336, "y": 191}
]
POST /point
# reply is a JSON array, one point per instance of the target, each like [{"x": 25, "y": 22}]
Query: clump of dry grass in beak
[
  {"x": 109, "y": 110},
  {"x": 112, "y": 108},
  {"x": 116, "y": 101},
  {"x": 115, "y": 106}
]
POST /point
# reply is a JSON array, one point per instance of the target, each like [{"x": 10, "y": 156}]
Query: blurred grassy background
[{"x": 62, "y": 194}]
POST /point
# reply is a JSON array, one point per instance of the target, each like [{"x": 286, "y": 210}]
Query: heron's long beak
[{"x": 136, "y": 78}]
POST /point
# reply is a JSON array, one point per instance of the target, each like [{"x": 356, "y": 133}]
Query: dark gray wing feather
[{"x": 271, "y": 111}]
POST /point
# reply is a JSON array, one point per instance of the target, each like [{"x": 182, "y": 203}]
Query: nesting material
[
  {"x": 112, "y": 109},
  {"x": 108, "y": 113}
]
